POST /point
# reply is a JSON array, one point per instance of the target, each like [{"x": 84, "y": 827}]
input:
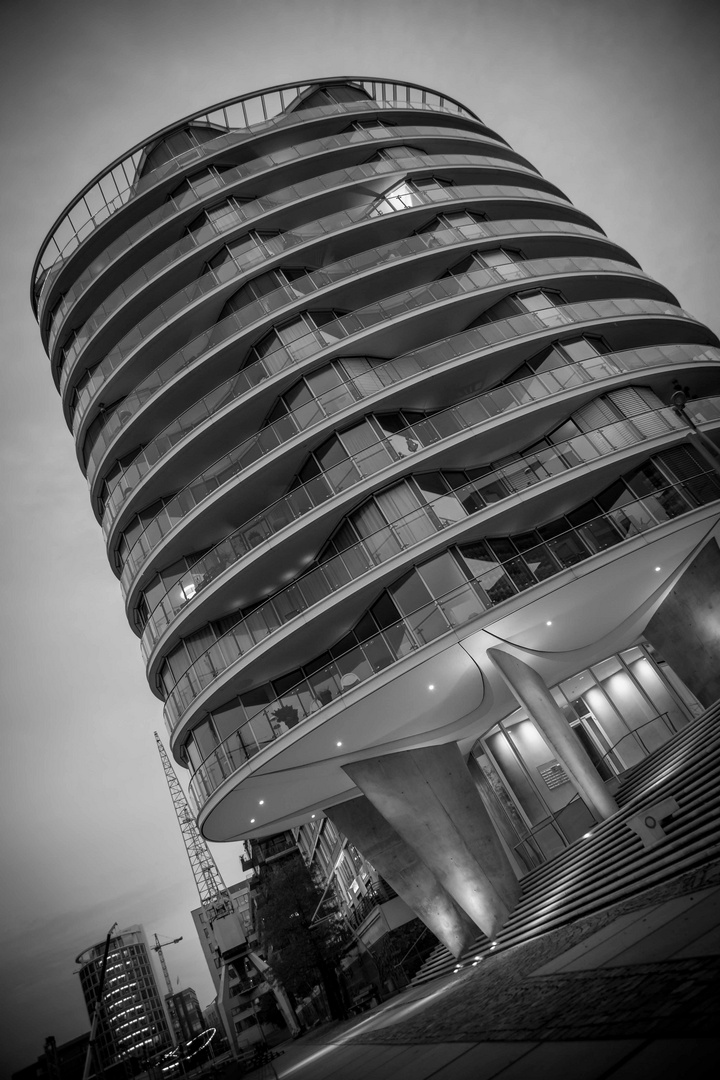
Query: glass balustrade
[
  {"x": 464, "y": 416},
  {"x": 255, "y": 310},
  {"x": 322, "y": 227},
  {"x": 179, "y": 204},
  {"x": 357, "y": 322},
  {"x": 121, "y": 183},
  {"x": 241, "y": 214},
  {"x": 326, "y": 578},
  {"x": 370, "y": 657},
  {"x": 409, "y": 365}
]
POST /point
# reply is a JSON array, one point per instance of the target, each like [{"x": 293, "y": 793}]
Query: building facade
[
  {"x": 407, "y": 472},
  {"x": 132, "y": 1021},
  {"x": 189, "y": 1014}
]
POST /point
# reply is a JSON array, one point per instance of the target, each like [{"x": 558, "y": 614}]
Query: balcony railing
[
  {"x": 469, "y": 413},
  {"x": 504, "y": 481},
  {"x": 238, "y": 120},
  {"x": 218, "y": 333},
  {"x": 167, "y": 371},
  {"x": 375, "y": 316},
  {"x": 377, "y": 893},
  {"x": 274, "y": 302},
  {"x": 325, "y": 579},
  {"x": 212, "y": 185},
  {"x": 374, "y": 655}
]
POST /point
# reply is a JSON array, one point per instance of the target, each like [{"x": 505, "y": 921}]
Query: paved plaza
[{"x": 631, "y": 991}]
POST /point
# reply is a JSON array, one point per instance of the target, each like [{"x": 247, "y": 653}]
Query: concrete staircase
[{"x": 613, "y": 863}]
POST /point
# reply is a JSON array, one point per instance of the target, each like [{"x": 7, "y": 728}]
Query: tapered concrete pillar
[
  {"x": 405, "y": 871},
  {"x": 429, "y": 798},
  {"x": 534, "y": 696}
]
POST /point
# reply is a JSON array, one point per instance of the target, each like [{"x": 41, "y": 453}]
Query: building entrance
[{"x": 621, "y": 710}]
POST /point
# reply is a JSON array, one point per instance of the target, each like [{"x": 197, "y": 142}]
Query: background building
[
  {"x": 132, "y": 1021},
  {"x": 189, "y": 1014},
  {"x": 379, "y": 430},
  {"x": 66, "y": 1061}
]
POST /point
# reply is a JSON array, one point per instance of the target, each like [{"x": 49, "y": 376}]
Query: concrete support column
[
  {"x": 428, "y": 796},
  {"x": 534, "y": 696},
  {"x": 405, "y": 871}
]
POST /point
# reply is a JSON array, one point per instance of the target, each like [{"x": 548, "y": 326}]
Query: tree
[{"x": 303, "y": 935}]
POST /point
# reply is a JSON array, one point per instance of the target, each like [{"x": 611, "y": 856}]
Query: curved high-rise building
[
  {"x": 132, "y": 1022},
  {"x": 398, "y": 459}
]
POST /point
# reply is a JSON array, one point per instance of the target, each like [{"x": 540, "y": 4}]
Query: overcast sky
[{"x": 616, "y": 101}]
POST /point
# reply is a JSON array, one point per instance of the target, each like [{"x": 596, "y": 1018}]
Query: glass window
[
  {"x": 384, "y": 611},
  {"x": 568, "y": 549},
  {"x": 583, "y": 348},
  {"x": 410, "y": 594},
  {"x": 442, "y": 575},
  {"x": 541, "y": 563},
  {"x": 254, "y": 701},
  {"x": 599, "y": 534},
  {"x": 228, "y": 718},
  {"x": 703, "y": 489},
  {"x": 364, "y": 446}
]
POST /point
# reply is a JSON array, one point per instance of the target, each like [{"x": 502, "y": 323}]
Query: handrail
[
  {"x": 549, "y": 819},
  {"x": 633, "y": 733}
]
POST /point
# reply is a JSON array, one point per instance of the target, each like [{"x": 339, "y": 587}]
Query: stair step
[{"x": 612, "y": 864}]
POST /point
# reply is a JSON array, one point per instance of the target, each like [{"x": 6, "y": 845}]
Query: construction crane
[
  {"x": 215, "y": 897},
  {"x": 213, "y": 892},
  {"x": 158, "y": 948}
]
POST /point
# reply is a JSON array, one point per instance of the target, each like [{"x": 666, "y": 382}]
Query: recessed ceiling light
[
  {"x": 261, "y": 803},
  {"x": 431, "y": 686},
  {"x": 339, "y": 744},
  {"x": 657, "y": 569},
  {"x": 549, "y": 622},
  {"x": 312, "y": 815},
  {"x": 252, "y": 820}
]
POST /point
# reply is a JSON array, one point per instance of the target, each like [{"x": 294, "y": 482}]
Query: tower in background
[{"x": 132, "y": 1022}]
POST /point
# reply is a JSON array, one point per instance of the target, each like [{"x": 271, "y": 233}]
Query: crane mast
[
  {"x": 174, "y": 1022},
  {"x": 214, "y": 896},
  {"x": 216, "y": 900}
]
